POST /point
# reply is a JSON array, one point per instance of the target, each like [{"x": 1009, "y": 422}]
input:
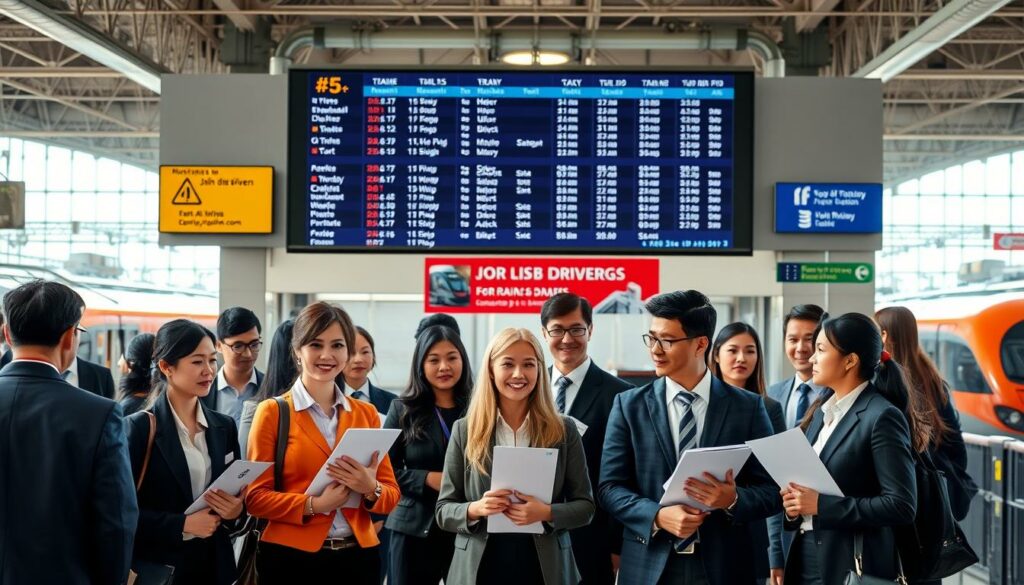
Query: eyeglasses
[
  {"x": 650, "y": 341},
  {"x": 240, "y": 347},
  {"x": 81, "y": 329},
  {"x": 558, "y": 332}
]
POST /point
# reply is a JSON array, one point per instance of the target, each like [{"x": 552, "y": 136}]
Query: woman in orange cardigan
[{"x": 312, "y": 537}]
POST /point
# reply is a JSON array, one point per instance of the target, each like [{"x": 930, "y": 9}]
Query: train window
[
  {"x": 958, "y": 365},
  {"x": 1012, "y": 352}
]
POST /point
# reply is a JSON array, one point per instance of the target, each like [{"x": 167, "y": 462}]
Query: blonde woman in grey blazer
[{"x": 513, "y": 405}]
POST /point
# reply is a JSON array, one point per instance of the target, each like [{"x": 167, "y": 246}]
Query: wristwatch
[{"x": 377, "y": 491}]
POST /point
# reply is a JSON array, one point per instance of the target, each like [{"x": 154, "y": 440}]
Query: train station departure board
[{"x": 483, "y": 161}]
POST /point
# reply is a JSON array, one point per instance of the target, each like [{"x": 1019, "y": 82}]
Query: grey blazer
[{"x": 572, "y": 506}]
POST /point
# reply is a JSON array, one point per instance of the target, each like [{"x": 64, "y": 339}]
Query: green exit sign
[{"x": 825, "y": 272}]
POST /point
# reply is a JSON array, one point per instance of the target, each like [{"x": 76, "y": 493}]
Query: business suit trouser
[
  {"x": 684, "y": 569},
  {"x": 283, "y": 565},
  {"x": 418, "y": 560},
  {"x": 808, "y": 569}
]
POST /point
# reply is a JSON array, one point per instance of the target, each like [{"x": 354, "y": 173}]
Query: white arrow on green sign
[{"x": 825, "y": 272}]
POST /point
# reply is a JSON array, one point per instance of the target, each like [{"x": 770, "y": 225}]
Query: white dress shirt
[
  {"x": 794, "y": 399},
  {"x": 327, "y": 423},
  {"x": 365, "y": 389},
  {"x": 576, "y": 376},
  {"x": 231, "y": 399},
  {"x": 506, "y": 436},
  {"x": 699, "y": 406},
  {"x": 833, "y": 411},
  {"x": 197, "y": 455}
]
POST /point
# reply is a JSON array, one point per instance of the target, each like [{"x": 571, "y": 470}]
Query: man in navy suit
[
  {"x": 650, "y": 426},
  {"x": 796, "y": 394},
  {"x": 239, "y": 343},
  {"x": 67, "y": 500},
  {"x": 585, "y": 392}
]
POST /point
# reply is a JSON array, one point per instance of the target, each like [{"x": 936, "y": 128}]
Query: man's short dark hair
[
  {"x": 691, "y": 308},
  {"x": 437, "y": 319},
  {"x": 564, "y": 303},
  {"x": 236, "y": 321},
  {"x": 40, "y": 312},
  {"x": 807, "y": 312}
]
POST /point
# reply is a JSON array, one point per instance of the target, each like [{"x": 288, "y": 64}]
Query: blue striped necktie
[
  {"x": 563, "y": 384},
  {"x": 687, "y": 440},
  {"x": 803, "y": 402},
  {"x": 359, "y": 395}
]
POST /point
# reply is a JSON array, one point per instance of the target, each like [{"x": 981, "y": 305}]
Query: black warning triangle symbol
[{"x": 186, "y": 195}]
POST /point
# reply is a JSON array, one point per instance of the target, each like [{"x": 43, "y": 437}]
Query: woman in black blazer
[
  {"x": 438, "y": 393},
  {"x": 192, "y": 447},
  {"x": 864, "y": 432}
]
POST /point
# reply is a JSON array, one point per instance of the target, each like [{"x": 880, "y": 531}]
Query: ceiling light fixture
[{"x": 535, "y": 57}]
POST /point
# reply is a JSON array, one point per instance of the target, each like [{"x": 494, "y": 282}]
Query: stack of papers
[
  {"x": 789, "y": 458},
  {"x": 234, "y": 479},
  {"x": 528, "y": 471},
  {"x": 359, "y": 444},
  {"x": 695, "y": 463}
]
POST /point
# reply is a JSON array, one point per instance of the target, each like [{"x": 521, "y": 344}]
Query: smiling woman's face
[
  {"x": 515, "y": 372},
  {"x": 325, "y": 357}
]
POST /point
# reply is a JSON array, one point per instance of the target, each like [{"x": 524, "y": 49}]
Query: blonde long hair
[{"x": 546, "y": 428}]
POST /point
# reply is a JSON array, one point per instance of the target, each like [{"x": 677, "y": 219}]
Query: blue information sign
[{"x": 828, "y": 208}]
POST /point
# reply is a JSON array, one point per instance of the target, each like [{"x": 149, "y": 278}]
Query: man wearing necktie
[
  {"x": 585, "y": 392},
  {"x": 796, "y": 394},
  {"x": 648, "y": 430}
]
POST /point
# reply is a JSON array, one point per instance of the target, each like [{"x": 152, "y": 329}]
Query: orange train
[
  {"x": 976, "y": 338},
  {"x": 116, "y": 311}
]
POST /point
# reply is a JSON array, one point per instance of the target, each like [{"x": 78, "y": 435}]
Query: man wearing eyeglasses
[
  {"x": 238, "y": 341},
  {"x": 585, "y": 392},
  {"x": 648, "y": 430}
]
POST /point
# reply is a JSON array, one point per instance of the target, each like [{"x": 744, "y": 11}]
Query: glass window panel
[
  {"x": 152, "y": 182},
  {"x": 974, "y": 210},
  {"x": 108, "y": 175},
  {"x": 108, "y": 207},
  {"x": 904, "y": 210},
  {"x": 1017, "y": 176},
  {"x": 1017, "y": 212},
  {"x": 84, "y": 166},
  {"x": 930, "y": 210},
  {"x": 997, "y": 212},
  {"x": 133, "y": 208},
  {"x": 132, "y": 178},
  {"x": 933, "y": 183},
  {"x": 58, "y": 171},
  {"x": 908, "y": 188},
  {"x": 58, "y": 207},
  {"x": 35, "y": 207},
  {"x": 14, "y": 164},
  {"x": 83, "y": 207},
  {"x": 997, "y": 175},
  {"x": 974, "y": 178},
  {"x": 954, "y": 210},
  {"x": 886, "y": 207},
  {"x": 955, "y": 180}
]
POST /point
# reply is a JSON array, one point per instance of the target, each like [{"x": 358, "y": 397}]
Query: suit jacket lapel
[
  {"x": 787, "y": 391},
  {"x": 846, "y": 424},
  {"x": 715, "y": 417},
  {"x": 169, "y": 446},
  {"x": 309, "y": 427},
  {"x": 587, "y": 393},
  {"x": 216, "y": 445},
  {"x": 658, "y": 411},
  {"x": 86, "y": 380}
]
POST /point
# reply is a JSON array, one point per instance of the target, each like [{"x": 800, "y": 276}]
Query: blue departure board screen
[{"x": 520, "y": 161}]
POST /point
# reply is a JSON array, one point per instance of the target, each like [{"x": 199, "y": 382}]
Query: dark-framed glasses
[
  {"x": 559, "y": 332},
  {"x": 666, "y": 344},
  {"x": 239, "y": 347}
]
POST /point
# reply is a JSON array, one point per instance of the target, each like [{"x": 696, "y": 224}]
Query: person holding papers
[
  {"x": 439, "y": 388},
  {"x": 513, "y": 406},
  {"x": 651, "y": 426},
  {"x": 316, "y": 538},
  {"x": 863, "y": 431},
  {"x": 585, "y": 392},
  {"x": 193, "y": 445}
]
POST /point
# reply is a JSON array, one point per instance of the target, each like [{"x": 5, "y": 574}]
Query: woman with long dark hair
[
  {"x": 440, "y": 385},
  {"x": 136, "y": 373},
  {"x": 864, "y": 428},
  {"x": 947, "y": 449},
  {"x": 281, "y": 374},
  {"x": 192, "y": 447}
]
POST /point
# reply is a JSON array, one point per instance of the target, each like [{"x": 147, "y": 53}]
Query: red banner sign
[
  {"x": 521, "y": 285},
  {"x": 1008, "y": 241}
]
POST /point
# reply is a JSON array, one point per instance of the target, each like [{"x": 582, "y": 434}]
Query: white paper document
[
  {"x": 234, "y": 479},
  {"x": 528, "y": 471},
  {"x": 359, "y": 444},
  {"x": 580, "y": 425},
  {"x": 695, "y": 463},
  {"x": 789, "y": 458}
]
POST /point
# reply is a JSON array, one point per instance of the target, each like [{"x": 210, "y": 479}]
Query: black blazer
[
  {"x": 593, "y": 544},
  {"x": 167, "y": 491},
  {"x": 869, "y": 456},
  {"x": 412, "y": 460},
  {"x": 95, "y": 378},
  {"x": 639, "y": 455},
  {"x": 381, "y": 399},
  {"x": 210, "y": 400},
  {"x": 951, "y": 458},
  {"x": 6, "y": 358},
  {"x": 67, "y": 499}
]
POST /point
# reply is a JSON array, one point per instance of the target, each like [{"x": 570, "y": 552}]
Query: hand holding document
[
  {"x": 234, "y": 479},
  {"x": 360, "y": 445},
  {"x": 528, "y": 471},
  {"x": 789, "y": 458},
  {"x": 695, "y": 463}
]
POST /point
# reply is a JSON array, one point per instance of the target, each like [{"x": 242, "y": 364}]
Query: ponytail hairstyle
[
  {"x": 139, "y": 357},
  {"x": 175, "y": 340},
  {"x": 902, "y": 342},
  {"x": 856, "y": 333}
]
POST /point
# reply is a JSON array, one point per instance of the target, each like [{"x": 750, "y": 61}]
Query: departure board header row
[{"x": 531, "y": 161}]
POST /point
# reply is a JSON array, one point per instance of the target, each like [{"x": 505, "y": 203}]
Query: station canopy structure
[{"x": 85, "y": 73}]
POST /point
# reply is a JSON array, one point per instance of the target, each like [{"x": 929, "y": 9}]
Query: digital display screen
[{"x": 483, "y": 161}]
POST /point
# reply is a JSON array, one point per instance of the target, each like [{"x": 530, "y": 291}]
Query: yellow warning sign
[{"x": 216, "y": 200}]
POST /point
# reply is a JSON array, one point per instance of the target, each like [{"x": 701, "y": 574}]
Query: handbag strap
[
  {"x": 858, "y": 559},
  {"x": 281, "y": 442},
  {"x": 149, "y": 449}
]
